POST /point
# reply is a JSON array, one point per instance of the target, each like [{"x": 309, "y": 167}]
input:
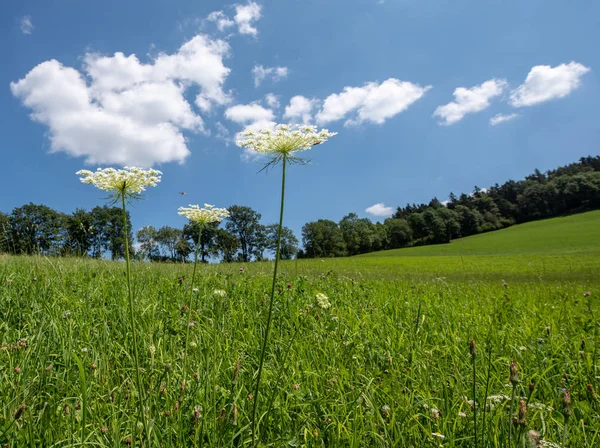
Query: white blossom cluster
[
  {"x": 323, "y": 300},
  {"x": 284, "y": 139},
  {"x": 130, "y": 180},
  {"x": 203, "y": 215}
]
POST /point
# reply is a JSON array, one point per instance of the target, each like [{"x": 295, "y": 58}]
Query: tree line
[
  {"x": 568, "y": 189},
  {"x": 39, "y": 229},
  {"x": 36, "y": 228}
]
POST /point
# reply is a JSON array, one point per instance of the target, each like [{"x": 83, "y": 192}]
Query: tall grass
[{"x": 337, "y": 377}]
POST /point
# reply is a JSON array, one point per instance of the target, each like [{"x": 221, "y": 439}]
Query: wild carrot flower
[
  {"x": 219, "y": 293},
  {"x": 130, "y": 181},
  {"x": 204, "y": 215},
  {"x": 323, "y": 300},
  {"x": 284, "y": 140},
  {"x": 281, "y": 144}
]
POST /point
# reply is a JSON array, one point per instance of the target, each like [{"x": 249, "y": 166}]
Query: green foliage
[
  {"x": 387, "y": 365},
  {"x": 323, "y": 238}
]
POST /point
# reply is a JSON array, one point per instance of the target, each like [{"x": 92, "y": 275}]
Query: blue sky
[{"x": 382, "y": 74}]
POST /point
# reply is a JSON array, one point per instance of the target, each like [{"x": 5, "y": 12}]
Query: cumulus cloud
[
  {"x": 272, "y": 100},
  {"x": 221, "y": 20},
  {"x": 380, "y": 210},
  {"x": 117, "y": 110},
  {"x": 545, "y": 83},
  {"x": 300, "y": 109},
  {"x": 26, "y": 25},
  {"x": 245, "y": 16},
  {"x": 260, "y": 73},
  {"x": 501, "y": 118},
  {"x": 468, "y": 101},
  {"x": 372, "y": 102},
  {"x": 248, "y": 113}
]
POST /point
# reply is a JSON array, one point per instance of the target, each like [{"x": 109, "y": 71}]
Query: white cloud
[
  {"x": 379, "y": 209},
  {"x": 26, "y": 25},
  {"x": 300, "y": 109},
  {"x": 467, "y": 101},
  {"x": 272, "y": 100},
  {"x": 118, "y": 110},
  {"x": 248, "y": 113},
  {"x": 501, "y": 118},
  {"x": 373, "y": 102},
  {"x": 245, "y": 16},
  {"x": 220, "y": 18},
  {"x": 544, "y": 83},
  {"x": 275, "y": 73},
  {"x": 252, "y": 117}
]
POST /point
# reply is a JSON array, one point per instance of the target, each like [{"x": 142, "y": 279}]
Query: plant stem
[
  {"x": 266, "y": 337},
  {"x": 141, "y": 399},
  {"x": 187, "y": 332},
  {"x": 510, "y": 416},
  {"x": 564, "y": 438},
  {"x": 474, "y": 398}
]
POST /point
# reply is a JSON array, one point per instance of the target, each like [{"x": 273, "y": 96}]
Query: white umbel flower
[
  {"x": 323, "y": 300},
  {"x": 130, "y": 180},
  {"x": 284, "y": 139},
  {"x": 204, "y": 215}
]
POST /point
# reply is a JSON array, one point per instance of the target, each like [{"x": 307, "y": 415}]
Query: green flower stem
[
  {"x": 141, "y": 399},
  {"x": 474, "y": 398},
  {"x": 187, "y": 332},
  {"x": 266, "y": 337},
  {"x": 510, "y": 416}
]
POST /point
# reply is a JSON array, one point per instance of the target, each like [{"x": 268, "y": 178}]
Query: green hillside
[
  {"x": 557, "y": 249},
  {"x": 565, "y": 235}
]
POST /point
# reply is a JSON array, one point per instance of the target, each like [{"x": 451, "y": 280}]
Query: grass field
[{"x": 387, "y": 365}]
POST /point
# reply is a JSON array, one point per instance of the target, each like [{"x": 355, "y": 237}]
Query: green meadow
[{"x": 387, "y": 365}]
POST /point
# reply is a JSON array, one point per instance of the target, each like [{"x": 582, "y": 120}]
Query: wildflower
[
  {"x": 104, "y": 429},
  {"x": 219, "y": 293},
  {"x": 152, "y": 350},
  {"x": 195, "y": 290},
  {"x": 437, "y": 434},
  {"x": 435, "y": 413},
  {"x": 514, "y": 373},
  {"x": 204, "y": 215},
  {"x": 472, "y": 348},
  {"x": 323, "y": 300},
  {"x": 20, "y": 411},
  {"x": 242, "y": 269},
  {"x": 533, "y": 439},
  {"x": 284, "y": 140},
  {"x": 522, "y": 418},
  {"x": 462, "y": 414},
  {"x": 385, "y": 411},
  {"x": 587, "y": 294},
  {"x": 566, "y": 404},
  {"x": 17, "y": 369},
  {"x": 84, "y": 350},
  {"x": 130, "y": 182}
]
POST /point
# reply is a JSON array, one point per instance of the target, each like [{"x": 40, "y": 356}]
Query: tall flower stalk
[
  {"x": 199, "y": 218},
  {"x": 126, "y": 185},
  {"x": 281, "y": 145}
]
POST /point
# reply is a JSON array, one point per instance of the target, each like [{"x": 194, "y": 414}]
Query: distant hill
[{"x": 578, "y": 233}]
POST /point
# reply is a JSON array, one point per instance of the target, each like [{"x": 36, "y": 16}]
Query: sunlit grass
[{"x": 387, "y": 365}]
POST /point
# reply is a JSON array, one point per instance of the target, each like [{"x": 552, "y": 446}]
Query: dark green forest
[{"x": 38, "y": 229}]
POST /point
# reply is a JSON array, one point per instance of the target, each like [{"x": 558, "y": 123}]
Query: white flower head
[
  {"x": 204, "y": 215},
  {"x": 219, "y": 293},
  {"x": 323, "y": 300},
  {"x": 130, "y": 181},
  {"x": 284, "y": 140}
]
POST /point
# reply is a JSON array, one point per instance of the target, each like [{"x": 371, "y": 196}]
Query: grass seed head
[{"x": 514, "y": 373}]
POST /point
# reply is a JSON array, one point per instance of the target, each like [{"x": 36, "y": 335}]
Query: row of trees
[
  {"x": 572, "y": 188},
  {"x": 569, "y": 189},
  {"x": 35, "y": 228}
]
